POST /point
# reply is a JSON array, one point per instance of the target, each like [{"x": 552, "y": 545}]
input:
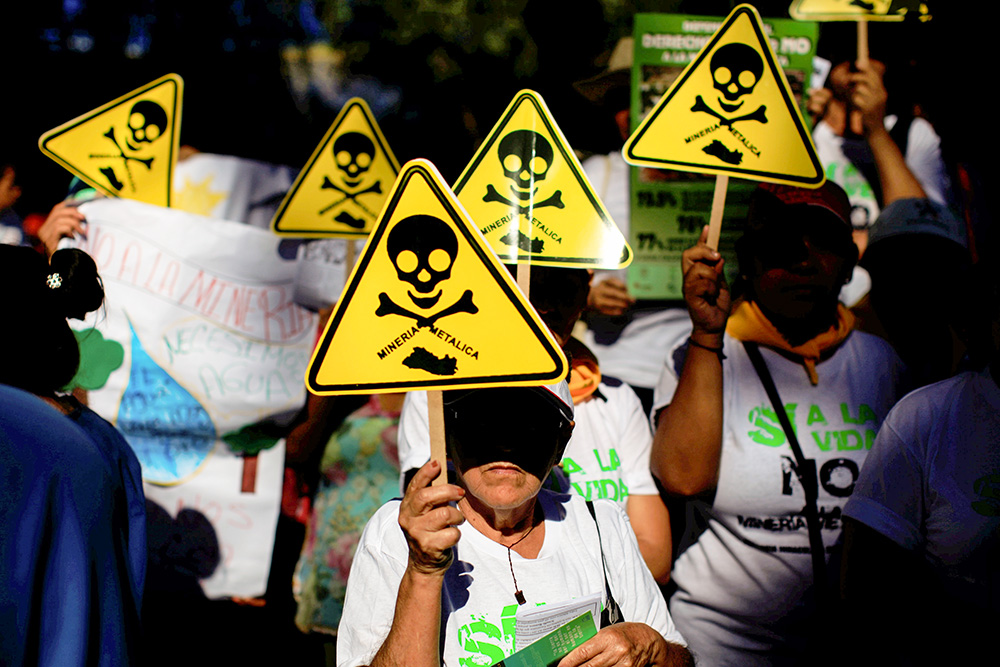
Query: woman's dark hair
[{"x": 41, "y": 354}]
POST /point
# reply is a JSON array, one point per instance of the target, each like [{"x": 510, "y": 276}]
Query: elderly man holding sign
[
  {"x": 474, "y": 557},
  {"x": 453, "y": 587}
]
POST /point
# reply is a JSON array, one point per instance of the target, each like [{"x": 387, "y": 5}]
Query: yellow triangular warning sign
[
  {"x": 126, "y": 148},
  {"x": 428, "y": 306},
  {"x": 853, "y": 10},
  {"x": 730, "y": 112},
  {"x": 531, "y": 199},
  {"x": 342, "y": 188}
]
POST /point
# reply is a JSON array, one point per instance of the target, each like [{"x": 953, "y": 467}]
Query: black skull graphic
[
  {"x": 526, "y": 157},
  {"x": 147, "y": 121},
  {"x": 736, "y": 69},
  {"x": 423, "y": 250},
  {"x": 353, "y": 153}
]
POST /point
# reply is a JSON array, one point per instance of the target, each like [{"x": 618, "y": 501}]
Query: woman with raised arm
[{"x": 766, "y": 492}]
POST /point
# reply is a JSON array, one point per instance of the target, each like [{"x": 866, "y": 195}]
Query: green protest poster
[{"x": 669, "y": 208}]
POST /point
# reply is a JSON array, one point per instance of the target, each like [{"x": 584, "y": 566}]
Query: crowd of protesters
[{"x": 807, "y": 463}]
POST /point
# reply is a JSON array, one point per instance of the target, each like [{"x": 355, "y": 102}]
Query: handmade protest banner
[
  {"x": 233, "y": 188},
  {"x": 854, "y": 10},
  {"x": 128, "y": 147},
  {"x": 668, "y": 209},
  {"x": 429, "y": 306},
  {"x": 344, "y": 184},
  {"x": 198, "y": 360},
  {"x": 531, "y": 199},
  {"x": 730, "y": 112}
]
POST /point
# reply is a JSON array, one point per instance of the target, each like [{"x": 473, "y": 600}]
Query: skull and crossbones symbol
[
  {"x": 147, "y": 122},
  {"x": 353, "y": 154},
  {"x": 423, "y": 250},
  {"x": 736, "y": 70},
  {"x": 526, "y": 157}
]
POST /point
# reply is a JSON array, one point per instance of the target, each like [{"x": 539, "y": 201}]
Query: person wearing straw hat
[{"x": 473, "y": 555}]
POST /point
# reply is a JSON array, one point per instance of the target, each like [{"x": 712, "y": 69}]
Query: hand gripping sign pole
[
  {"x": 860, "y": 12},
  {"x": 718, "y": 207},
  {"x": 862, "y": 41}
]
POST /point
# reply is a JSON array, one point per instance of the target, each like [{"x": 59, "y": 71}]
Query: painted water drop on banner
[{"x": 170, "y": 431}]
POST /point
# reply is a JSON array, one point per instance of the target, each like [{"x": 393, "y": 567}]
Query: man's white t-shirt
[
  {"x": 479, "y": 612},
  {"x": 931, "y": 484},
  {"x": 743, "y": 583}
]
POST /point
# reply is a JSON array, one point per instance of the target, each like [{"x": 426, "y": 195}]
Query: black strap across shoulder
[
  {"x": 805, "y": 469},
  {"x": 612, "y": 613}
]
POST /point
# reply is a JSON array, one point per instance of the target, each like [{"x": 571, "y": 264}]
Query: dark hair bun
[
  {"x": 81, "y": 291},
  {"x": 43, "y": 354}
]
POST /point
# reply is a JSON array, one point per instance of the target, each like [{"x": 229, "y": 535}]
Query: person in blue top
[
  {"x": 42, "y": 357},
  {"x": 66, "y": 593}
]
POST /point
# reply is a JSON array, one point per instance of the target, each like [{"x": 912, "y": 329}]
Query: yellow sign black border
[
  {"x": 486, "y": 257},
  {"x": 56, "y": 132},
  {"x": 856, "y": 14},
  {"x": 567, "y": 155},
  {"x": 337, "y": 122},
  {"x": 751, "y": 174}
]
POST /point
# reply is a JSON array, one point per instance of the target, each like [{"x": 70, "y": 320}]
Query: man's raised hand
[{"x": 705, "y": 290}]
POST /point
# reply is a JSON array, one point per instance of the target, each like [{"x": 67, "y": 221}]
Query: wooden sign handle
[
  {"x": 348, "y": 260},
  {"x": 862, "y": 41},
  {"x": 524, "y": 279},
  {"x": 718, "y": 207},
  {"x": 435, "y": 423}
]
